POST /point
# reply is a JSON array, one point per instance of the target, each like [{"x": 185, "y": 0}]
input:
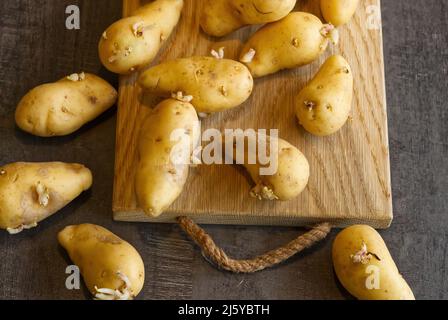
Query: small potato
[
  {"x": 210, "y": 84},
  {"x": 324, "y": 105},
  {"x": 338, "y": 12},
  {"x": 296, "y": 40},
  {"x": 221, "y": 17},
  {"x": 112, "y": 269},
  {"x": 31, "y": 192},
  {"x": 132, "y": 43},
  {"x": 62, "y": 107},
  {"x": 167, "y": 140},
  {"x": 288, "y": 180},
  {"x": 365, "y": 267}
]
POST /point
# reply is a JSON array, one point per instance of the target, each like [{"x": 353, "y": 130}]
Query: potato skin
[
  {"x": 62, "y": 107},
  {"x": 288, "y": 182},
  {"x": 222, "y": 17},
  {"x": 353, "y": 276},
  {"x": 324, "y": 105},
  {"x": 215, "y": 84},
  {"x": 100, "y": 255},
  {"x": 159, "y": 181},
  {"x": 294, "y": 41},
  {"x": 338, "y": 12},
  {"x": 133, "y": 42},
  {"x": 19, "y": 198}
]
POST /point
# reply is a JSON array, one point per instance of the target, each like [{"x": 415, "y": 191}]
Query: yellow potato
[
  {"x": 221, "y": 17},
  {"x": 62, "y": 107},
  {"x": 210, "y": 84},
  {"x": 112, "y": 269},
  {"x": 365, "y": 267},
  {"x": 338, "y": 12},
  {"x": 324, "y": 105},
  {"x": 133, "y": 42},
  {"x": 167, "y": 140},
  {"x": 31, "y": 192},
  {"x": 296, "y": 40},
  {"x": 290, "y": 170}
]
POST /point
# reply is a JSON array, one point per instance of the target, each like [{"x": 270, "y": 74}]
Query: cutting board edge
[{"x": 379, "y": 222}]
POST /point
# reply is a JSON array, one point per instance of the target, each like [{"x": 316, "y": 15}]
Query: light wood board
[{"x": 350, "y": 171}]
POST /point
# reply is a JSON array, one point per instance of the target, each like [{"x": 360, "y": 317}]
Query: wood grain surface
[{"x": 350, "y": 171}]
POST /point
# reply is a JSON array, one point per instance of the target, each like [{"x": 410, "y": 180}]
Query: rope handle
[{"x": 267, "y": 260}]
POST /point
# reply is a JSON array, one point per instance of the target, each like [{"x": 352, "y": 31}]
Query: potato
[
  {"x": 168, "y": 137},
  {"x": 365, "y": 267},
  {"x": 338, "y": 12},
  {"x": 112, "y": 269},
  {"x": 221, "y": 17},
  {"x": 290, "y": 176},
  {"x": 31, "y": 192},
  {"x": 62, "y": 107},
  {"x": 133, "y": 42},
  {"x": 324, "y": 105},
  {"x": 210, "y": 84},
  {"x": 296, "y": 40}
]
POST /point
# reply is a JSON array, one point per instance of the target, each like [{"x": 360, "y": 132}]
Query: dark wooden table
[{"x": 35, "y": 48}]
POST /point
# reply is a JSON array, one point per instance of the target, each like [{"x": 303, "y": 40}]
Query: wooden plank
[{"x": 350, "y": 171}]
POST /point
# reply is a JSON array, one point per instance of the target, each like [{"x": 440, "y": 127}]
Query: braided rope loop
[{"x": 267, "y": 260}]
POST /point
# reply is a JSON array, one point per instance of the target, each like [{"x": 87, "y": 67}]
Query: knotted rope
[{"x": 267, "y": 260}]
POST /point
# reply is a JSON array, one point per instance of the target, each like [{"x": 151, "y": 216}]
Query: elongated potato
[
  {"x": 287, "y": 172},
  {"x": 324, "y": 105},
  {"x": 167, "y": 140},
  {"x": 132, "y": 43},
  {"x": 296, "y": 40},
  {"x": 365, "y": 267},
  {"x": 221, "y": 17},
  {"x": 210, "y": 84},
  {"x": 62, "y": 107},
  {"x": 338, "y": 12},
  {"x": 31, "y": 192},
  {"x": 112, "y": 269}
]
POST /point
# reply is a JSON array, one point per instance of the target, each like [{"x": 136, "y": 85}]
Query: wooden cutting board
[{"x": 350, "y": 171}]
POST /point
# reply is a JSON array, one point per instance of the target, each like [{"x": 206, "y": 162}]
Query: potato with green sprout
[
  {"x": 111, "y": 268},
  {"x": 31, "y": 192}
]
